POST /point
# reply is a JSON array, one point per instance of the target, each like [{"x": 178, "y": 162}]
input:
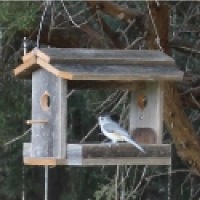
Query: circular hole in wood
[
  {"x": 172, "y": 114},
  {"x": 45, "y": 101},
  {"x": 142, "y": 101}
]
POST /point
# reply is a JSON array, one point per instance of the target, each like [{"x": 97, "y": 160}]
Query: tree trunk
[{"x": 186, "y": 141}]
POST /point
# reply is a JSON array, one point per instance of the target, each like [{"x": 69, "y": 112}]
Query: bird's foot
[
  {"x": 114, "y": 142},
  {"x": 105, "y": 141},
  {"x": 109, "y": 144}
]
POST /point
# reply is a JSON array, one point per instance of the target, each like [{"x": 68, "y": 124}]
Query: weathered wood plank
[
  {"x": 99, "y": 56},
  {"x": 98, "y": 162},
  {"x": 29, "y": 55},
  {"x": 48, "y": 103},
  {"x": 103, "y": 154},
  {"x": 103, "y": 56},
  {"x": 119, "y": 72},
  {"x": 26, "y": 69},
  {"x": 27, "y": 150},
  {"x": 89, "y": 64},
  {"x": 102, "y": 72},
  {"x": 151, "y": 115},
  {"x": 41, "y": 161},
  {"x": 122, "y": 150}
]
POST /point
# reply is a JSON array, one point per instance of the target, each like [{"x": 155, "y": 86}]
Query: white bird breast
[{"x": 113, "y": 136}]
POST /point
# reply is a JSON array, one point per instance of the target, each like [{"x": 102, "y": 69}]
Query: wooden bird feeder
[{"x": 55, "y": 71}]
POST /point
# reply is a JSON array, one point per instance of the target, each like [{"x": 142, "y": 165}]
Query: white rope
[
  {"x": 69, "y": 94},
  {"x": 41, "y": 23},
  {"x": 155, "y": 28},
  {"x": 17, "y": 138},
  {"x": 71, "y": 17},
  {"x": 68, "y": 14},
  {"x": 89, "y": 132}
]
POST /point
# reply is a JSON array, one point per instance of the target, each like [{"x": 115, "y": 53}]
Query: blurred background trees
[{"x": 172, "y": 27}]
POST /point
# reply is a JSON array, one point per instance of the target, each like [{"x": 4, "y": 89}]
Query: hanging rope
[
  {"x": 155, "y": 29},
  {"x": 17, "y": 138},
  {"x": 71, "y": 18},
  {"x": 47, "y": 3}
]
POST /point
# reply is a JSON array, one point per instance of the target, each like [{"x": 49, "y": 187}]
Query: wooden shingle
[{"x": 101, "y": 65}]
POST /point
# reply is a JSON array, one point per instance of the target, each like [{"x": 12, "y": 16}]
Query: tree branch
[
  {"x": 117, "y": 11},
  {"x": 184, "y": 46},
  {"x": 187, "y": 142}
]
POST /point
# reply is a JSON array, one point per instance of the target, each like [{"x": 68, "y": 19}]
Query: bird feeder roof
[{"x": 100, "y": 65}]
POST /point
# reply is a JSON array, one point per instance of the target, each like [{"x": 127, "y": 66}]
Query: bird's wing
[
  {"x": 134, "y": 144},
  {"x": 113, "y": 127}
]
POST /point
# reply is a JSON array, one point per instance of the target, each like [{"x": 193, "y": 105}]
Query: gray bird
[{"x": 115, "y": 132}]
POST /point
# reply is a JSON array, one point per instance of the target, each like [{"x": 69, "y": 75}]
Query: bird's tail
[{"x": 134, "y": 144}]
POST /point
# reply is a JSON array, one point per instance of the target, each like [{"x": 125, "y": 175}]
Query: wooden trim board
[
  {"x": 53, "y": 70},
  {"x": 97, "y": 65},
  {"x": 105, "y": 162},
  {"x": 103, "y": 56},
  {"x": 99, "y": 56},
  {"x": 103, "y": 154},
  {"x": 42, "y": 161},
  {"x": 131, "y": 77},
  {"x": 36, "y": 53},
  {"x": 21, "y": 69}
]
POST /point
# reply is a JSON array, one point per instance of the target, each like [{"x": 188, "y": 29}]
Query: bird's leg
[
  {"x": 105, "y": 140},
  {"x": 110, "y": 144},
  {"x": 114, "y": 142},
  {"x": 100, "y": 133}
]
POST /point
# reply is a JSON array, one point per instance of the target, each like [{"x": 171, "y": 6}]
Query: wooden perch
[
  {"x": 42, "y": 121},
  {"x": 104, "y": 154}
]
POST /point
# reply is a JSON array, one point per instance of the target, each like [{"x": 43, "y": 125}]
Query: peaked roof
[{"x": 93, "y": 64}]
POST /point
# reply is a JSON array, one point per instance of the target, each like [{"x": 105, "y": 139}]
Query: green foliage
[
  {"x": 16, "y": 95},
  {"x": 18, "y": 16},
  {"x": 12, "y": 116},
  {"x": 105, "y": 191},
  {"x": 12, "y": 170}
]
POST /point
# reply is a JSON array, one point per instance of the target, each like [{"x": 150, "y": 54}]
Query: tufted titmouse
[{"x": 115, "y": 132}]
